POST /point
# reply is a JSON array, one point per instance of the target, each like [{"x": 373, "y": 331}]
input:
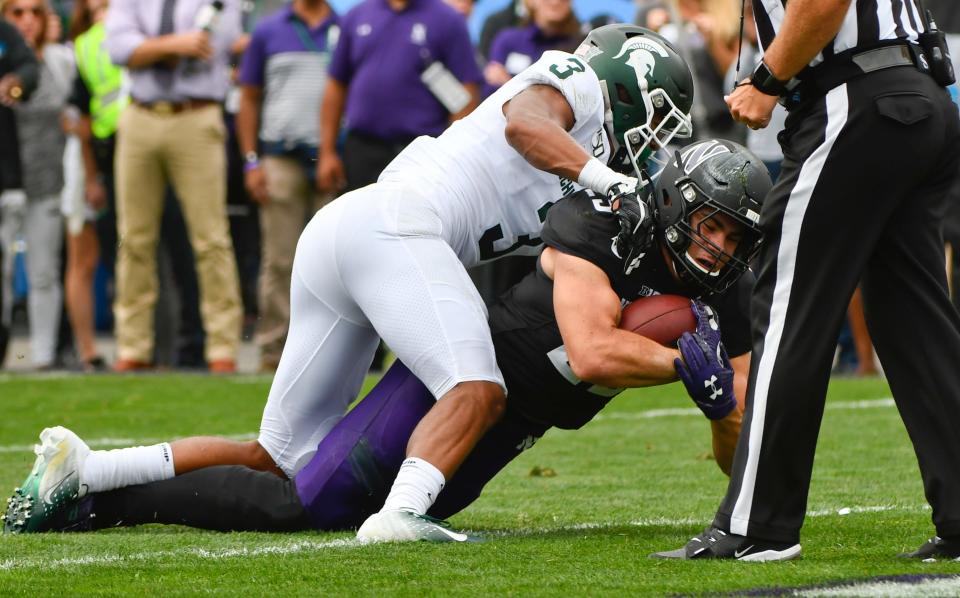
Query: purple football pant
[{"x": 350, "y": 475}]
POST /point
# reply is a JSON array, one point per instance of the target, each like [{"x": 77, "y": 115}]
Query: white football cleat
[
  {"x": 60, "y": 458},
  {"x": 407, "y": 526},
  {"x": 52, "y": 485}
]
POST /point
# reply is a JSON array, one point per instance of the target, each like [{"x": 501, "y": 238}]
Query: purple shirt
[
  {"x": 288, "y": 61},
  {"x": 131, "y": 22},
  {"x": 516, "y": 48},
  {"x": 381, "y": 55}
]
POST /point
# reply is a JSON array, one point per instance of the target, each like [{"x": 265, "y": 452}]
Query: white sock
[
  {"x": 108, "y": 470},
  {"x": 416, "y": 488}
]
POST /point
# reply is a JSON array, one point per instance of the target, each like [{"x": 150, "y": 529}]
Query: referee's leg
[
  {"x": 917, "y": 334},
  {"x": 843, "y": 179}
]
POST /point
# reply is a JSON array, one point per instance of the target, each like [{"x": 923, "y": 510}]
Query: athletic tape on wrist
[{"x": 598, "y": 176}]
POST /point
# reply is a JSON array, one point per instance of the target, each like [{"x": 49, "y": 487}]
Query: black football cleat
[
  {"x": 715, "y": 543},
  {"x": 935, "y": 549}
]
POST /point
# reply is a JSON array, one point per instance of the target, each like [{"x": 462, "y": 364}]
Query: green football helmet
[{"x": 647, "y": 89}]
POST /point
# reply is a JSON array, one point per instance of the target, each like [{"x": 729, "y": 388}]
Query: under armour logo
[{"x": 714, "y": 391}]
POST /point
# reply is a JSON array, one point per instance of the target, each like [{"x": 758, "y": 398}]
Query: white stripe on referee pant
[{"x": 786, "y": 262}]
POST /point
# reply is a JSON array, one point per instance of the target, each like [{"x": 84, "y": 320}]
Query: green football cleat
[
  {"x": 52, "y": 486},
  {"x": 406, "y": 526}
]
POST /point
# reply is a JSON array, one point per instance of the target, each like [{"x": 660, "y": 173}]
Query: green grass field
[{"x": 636, "y": 480}]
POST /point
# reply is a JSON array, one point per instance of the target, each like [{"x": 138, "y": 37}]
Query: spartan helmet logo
[{"x": 641, "y": 59}]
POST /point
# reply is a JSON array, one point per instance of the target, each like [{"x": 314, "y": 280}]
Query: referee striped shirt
[{"x": 866, "y": 24}]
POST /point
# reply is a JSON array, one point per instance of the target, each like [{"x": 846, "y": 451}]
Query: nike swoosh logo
[
  {"x": 453, "y": 535},
  {"x": 53, "y": 489},
  {"x": 739, "y": 553}
]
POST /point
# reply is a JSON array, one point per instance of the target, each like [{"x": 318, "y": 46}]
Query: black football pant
[
  {"x": 861, "y": 196},
  {"x": 223, "y": 498}
]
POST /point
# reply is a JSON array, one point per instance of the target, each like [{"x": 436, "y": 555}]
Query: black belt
[{"x": 815, "y": 82}]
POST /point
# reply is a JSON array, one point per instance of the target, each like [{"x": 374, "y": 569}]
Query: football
[{"x": 662, "y": 318}]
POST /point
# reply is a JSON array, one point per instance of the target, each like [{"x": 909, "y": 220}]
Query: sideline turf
[{"x": 624, "y": 486}]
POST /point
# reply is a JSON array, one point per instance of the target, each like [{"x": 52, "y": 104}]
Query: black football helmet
[{"x": 716, "y": 176}]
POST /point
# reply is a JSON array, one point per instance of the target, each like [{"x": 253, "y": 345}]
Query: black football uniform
[
  {"x": 350, "y": 476},
  {"x": 527, "y": 339}
]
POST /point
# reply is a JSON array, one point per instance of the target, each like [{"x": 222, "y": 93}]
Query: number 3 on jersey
[{"x": 562, "y": 71}]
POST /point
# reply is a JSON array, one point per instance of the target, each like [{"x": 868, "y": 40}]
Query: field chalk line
[
  {"x": 649, "y": 414},
  {"x": 305, "y": 546}
]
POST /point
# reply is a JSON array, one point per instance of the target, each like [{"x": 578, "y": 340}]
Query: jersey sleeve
[
  {"x": 734, "y": 311},
  {"x": 574, "y": 79},
  {"x": 341, "y": 67},
  {"x": 583, "y": 225},
  {"x": 254, "y": 60}
]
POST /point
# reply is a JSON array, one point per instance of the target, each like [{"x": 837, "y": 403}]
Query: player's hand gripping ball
[{"x": 705, "y": 369}]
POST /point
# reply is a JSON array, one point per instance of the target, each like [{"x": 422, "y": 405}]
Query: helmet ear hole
[{"x": 624, "y": 95}]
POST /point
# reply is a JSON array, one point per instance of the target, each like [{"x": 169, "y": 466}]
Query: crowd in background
[{"x": 172, "y": 151}]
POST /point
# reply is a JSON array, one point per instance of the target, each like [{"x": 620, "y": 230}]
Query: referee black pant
[{"x": 866, "y": 172}]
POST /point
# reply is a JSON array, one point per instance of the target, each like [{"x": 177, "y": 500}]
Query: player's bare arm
[
  {"x": 588, "y": 312},
  {"x": 727, "y": 430},
  {"x": 538, "y": 119}
]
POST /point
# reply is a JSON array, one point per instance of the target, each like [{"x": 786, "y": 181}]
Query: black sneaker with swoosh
[
  {"x": 936, "y": 549},
  {"x": 716, "y": 543}
]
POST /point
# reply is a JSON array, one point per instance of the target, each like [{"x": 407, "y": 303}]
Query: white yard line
[
  {"x": 201, "y": 553},
  {"x": 947, "y": 587},
  {"x": 305, "y": 546},
  {"x": 694, "y": 412},
  {"x": 108, "y": 443},
  {"x": 649, "y": 414}
]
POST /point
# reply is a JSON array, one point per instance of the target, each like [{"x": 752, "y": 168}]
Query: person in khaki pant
[
  {"x": 282, "y": 79},
  {"x": 173, "y": 134}
]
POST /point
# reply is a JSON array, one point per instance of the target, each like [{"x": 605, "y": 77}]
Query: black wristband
[{"x": 763, "y": 80}]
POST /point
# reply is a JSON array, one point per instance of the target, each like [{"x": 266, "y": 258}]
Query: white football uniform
[
  {"x": 491, "y": 201},
  {"x": 388, "y": 260}
]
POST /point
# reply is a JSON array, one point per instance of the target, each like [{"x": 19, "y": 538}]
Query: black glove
[{"x": 636, "y": 225}]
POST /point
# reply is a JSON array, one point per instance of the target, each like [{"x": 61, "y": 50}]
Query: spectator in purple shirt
[
  {"x": 376, "y": 77},
  {"x": 282, "y": 78},
  {"x": 552, "y": 25}
]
